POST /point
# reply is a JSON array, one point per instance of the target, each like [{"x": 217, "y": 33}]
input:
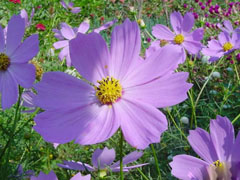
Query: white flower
[
  {"x": 216, "y": 74},
  {"x": 184, "y": 120},
  {"x": 131, "y": 9},
  {"x": 205, "y": 59},
  {"x": 141, "y": 23}
]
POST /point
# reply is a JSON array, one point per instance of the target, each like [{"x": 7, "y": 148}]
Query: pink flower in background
[
  {"x": 102, "y": 159},
  {"x": 182, "y": 35},
  {"x": 69, "y": 6},
  {"x": 52, "y": 176},
  {"x": 227, "y": 27},
  {"x": 16, "y": 1},
  {"x": 24, "y": 15},
  {"x": 41, "y": 27},
  {"x": 42, "y": 176},
  {"x": 66, "y": 33},
  {"x": 225, "y": 44}
]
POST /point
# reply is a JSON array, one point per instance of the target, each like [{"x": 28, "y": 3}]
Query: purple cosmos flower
[
  {"x": 52, "y": 176},
  {"x": 79, "y": 176},
  {"x": 124, "y": 91},
  {"x": 14, "y": 57},
  {"x": 67, "y": 33},
  {"x": 70, "y": 7},
  {"x": 42, "y": 176},
  {"x": 182, "y": 35},
  {"x": 224, "y": 45},
  {"x": 227, "y": 27},
  {"x": 24, "y": 15},
  {"x": 103, "y": 160},
  {"x": 22, "y": 174},
  {"x": 219, "y": 151},
  {"x": 27, "y": 100}
]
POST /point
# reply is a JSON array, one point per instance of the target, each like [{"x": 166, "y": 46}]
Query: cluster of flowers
[
  {"x": 118, "y": 89},
  {"x": 208, "y": 10}
]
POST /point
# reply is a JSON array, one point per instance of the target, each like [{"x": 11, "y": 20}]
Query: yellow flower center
[
  {"x": 218, "y": 164},
  {"x": 4, "y": 62},
  {"x": 227, "y": 46},
  {"x": 219, "y": 170},
  {"x": 179, "y": 39},
  {"x": 109, "y": 90}
]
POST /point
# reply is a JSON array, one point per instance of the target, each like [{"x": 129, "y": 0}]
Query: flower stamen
[
  {"x": 227, "y": 46},
  {"x": 109, "y": 90},
  {"x": 217, "y": 164},
  {"x": 178, "y": 39},
  {"x": 4, "y": 62},
  {"x": 163, "y": 42}
]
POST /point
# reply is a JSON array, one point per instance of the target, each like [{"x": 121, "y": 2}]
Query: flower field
[{"x": 119, "y": 89}]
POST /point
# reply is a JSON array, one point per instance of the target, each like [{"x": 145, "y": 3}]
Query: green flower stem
[
  {"x": 175, "y": 124},
  {"x": 156, "y": 162},
  {"x": 236, "y": 118},
  {"x": 16, "y": 119},
  {"x": 149, "y": 34},
  {"x": 236, "y": 70},
  {"x": 143, "y": 175},
  {"x": 193, "y": 118},
  {"x": 30, "y": 119},
  {"x": 121, "y": 155},
  {"x": 204, "y": 85}
]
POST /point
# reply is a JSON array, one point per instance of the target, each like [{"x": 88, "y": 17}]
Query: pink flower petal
[
  {"x": 176, "y": 20},
  {"x": 67, "y": 31},
  {"x": 188, "y": 168},
  {"x": 162, "y": 92},
  {"x": 125, "y": 48},
  {"x": 15, "y": 32},
  {"x": 90, "y": 56},
  {"x": 155, "y": 45},
  {"x": 9, "y": 89},
  {"x": 188, "y": 22},
  {"x": 193, "y": 47},
  {"x": 26, "y": 51},
  {"x": 57, "y": 89},
  {"x": 78, "y": 176},
  {"x": 42, "y": 176},
  {"x": 222, "y": 135},
  {"x": 141, "y": 124},
  {"x": 162, "y": 32},
  {"x": 2, "y": 40},
  {"x": 63, "y": 53},
  {"x": 23, "y": 73},
  {"x": 102, "y": 158},
  {"x": 100, "y": 127},
  {"x": 83, "y": 27},
  {"x": 161, "y": 62},
  {"x": 223, "y": 37},
  {"x": 60, "y": 44},
  {"x": 202, "y": 144}
]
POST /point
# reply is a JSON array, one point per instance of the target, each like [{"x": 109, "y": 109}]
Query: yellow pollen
[
  {"x": 179, "y": 39},
  {"x": 109, "y": 90},
  {"x": 227, "y": 46},
  {"x": 39, "y": 69},
  {"x": 163, "y": 42},
  {"x": 4, "y": 62},
  {"x": 217, "y": 164}
]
